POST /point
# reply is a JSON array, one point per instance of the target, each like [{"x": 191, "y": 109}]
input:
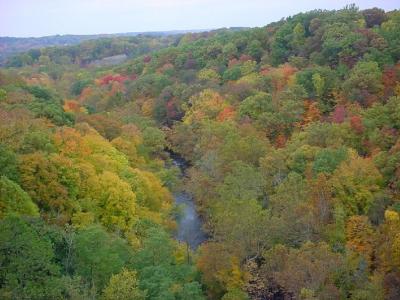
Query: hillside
[
  {"x": 10, "y": 46},
  {"x": 286, "y": 137}
]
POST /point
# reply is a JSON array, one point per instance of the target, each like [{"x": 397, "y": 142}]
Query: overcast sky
[{"x": 24, "y": 18}]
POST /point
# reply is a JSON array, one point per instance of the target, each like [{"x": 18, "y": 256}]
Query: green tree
[
  {"x": 243, "y": 182},
  {"x": 160, "y": 273},
  {"x": 298, "y": 36},
  {"x": 230, "y": 50},
  {"x": 98, "y": 255},
  {"x": 255, "y": 49},
  {"x": 8, "y": 163},
  {"x": 292, "y": 217},
  {"x": 319, "y": 84},
  {"x": 326, "y": 160},
  {"x": 279, "y": 47},
  {"x": 153, "y": 140},
  {"x": 254, "y": 106},
  {"x": 49, "y": 105},
  {"x": 28, "y": 270},
  {"x": 37, "y": 141},
  {"x": 235, "y": 294},
  {"x": 364, "y": 83},
  {"x": 233, "y": 73},
  {"x": 389, "y": 30},
  {"x": 3, "y": 95},
  {"x": 14, "y": 200},
  {"x": 241, "y": 225}
]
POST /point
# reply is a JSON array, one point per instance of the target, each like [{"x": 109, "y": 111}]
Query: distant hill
[
  {"x": 87, "y": 50},
  {"x": 13, "y": 45}
]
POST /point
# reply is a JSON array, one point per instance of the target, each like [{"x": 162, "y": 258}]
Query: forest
[
  {"x": 291, "y": 136},
  {"x": 11, "y": 46}
]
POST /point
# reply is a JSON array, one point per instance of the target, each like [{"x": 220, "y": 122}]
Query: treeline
[
  {"x": 91, "y": 50},
  {"x": 12, "y": 46},
  {"x": 292, "y": 131}
]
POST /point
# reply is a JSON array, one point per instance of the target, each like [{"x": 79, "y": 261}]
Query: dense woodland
[
  {"x": 89, "y": 51},
  {"x": 92, "y": 45},
  {"x": 292, "y": 135}
]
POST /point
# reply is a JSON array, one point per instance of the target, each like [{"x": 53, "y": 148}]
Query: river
[{"x": 189, "y": 223}]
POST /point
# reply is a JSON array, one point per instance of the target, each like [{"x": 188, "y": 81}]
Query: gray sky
[{"x": 48, "y": 17}]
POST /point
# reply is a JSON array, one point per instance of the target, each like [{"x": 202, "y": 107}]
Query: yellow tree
[
  {"x": 52, "y": 183},
  {"x": 220, "y": 269},
  {"x": 123, "y": 286},
  {"x": 115, "y": 202},
  {"x": 388, "y": 242},
  {"x": 207, "y": 105},
  {"x": 354, "y": 184},
  {"x": 360, "y": 237}
]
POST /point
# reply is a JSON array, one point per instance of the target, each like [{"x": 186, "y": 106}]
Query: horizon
[
  {"x": 172, "y": 31},
  {"x": 28, "y": 19}
]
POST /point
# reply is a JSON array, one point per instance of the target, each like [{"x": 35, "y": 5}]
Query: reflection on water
[{"x": 189, "y": 223}]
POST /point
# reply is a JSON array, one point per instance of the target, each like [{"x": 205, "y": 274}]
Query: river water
[{"x": 189, "y": 222}]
